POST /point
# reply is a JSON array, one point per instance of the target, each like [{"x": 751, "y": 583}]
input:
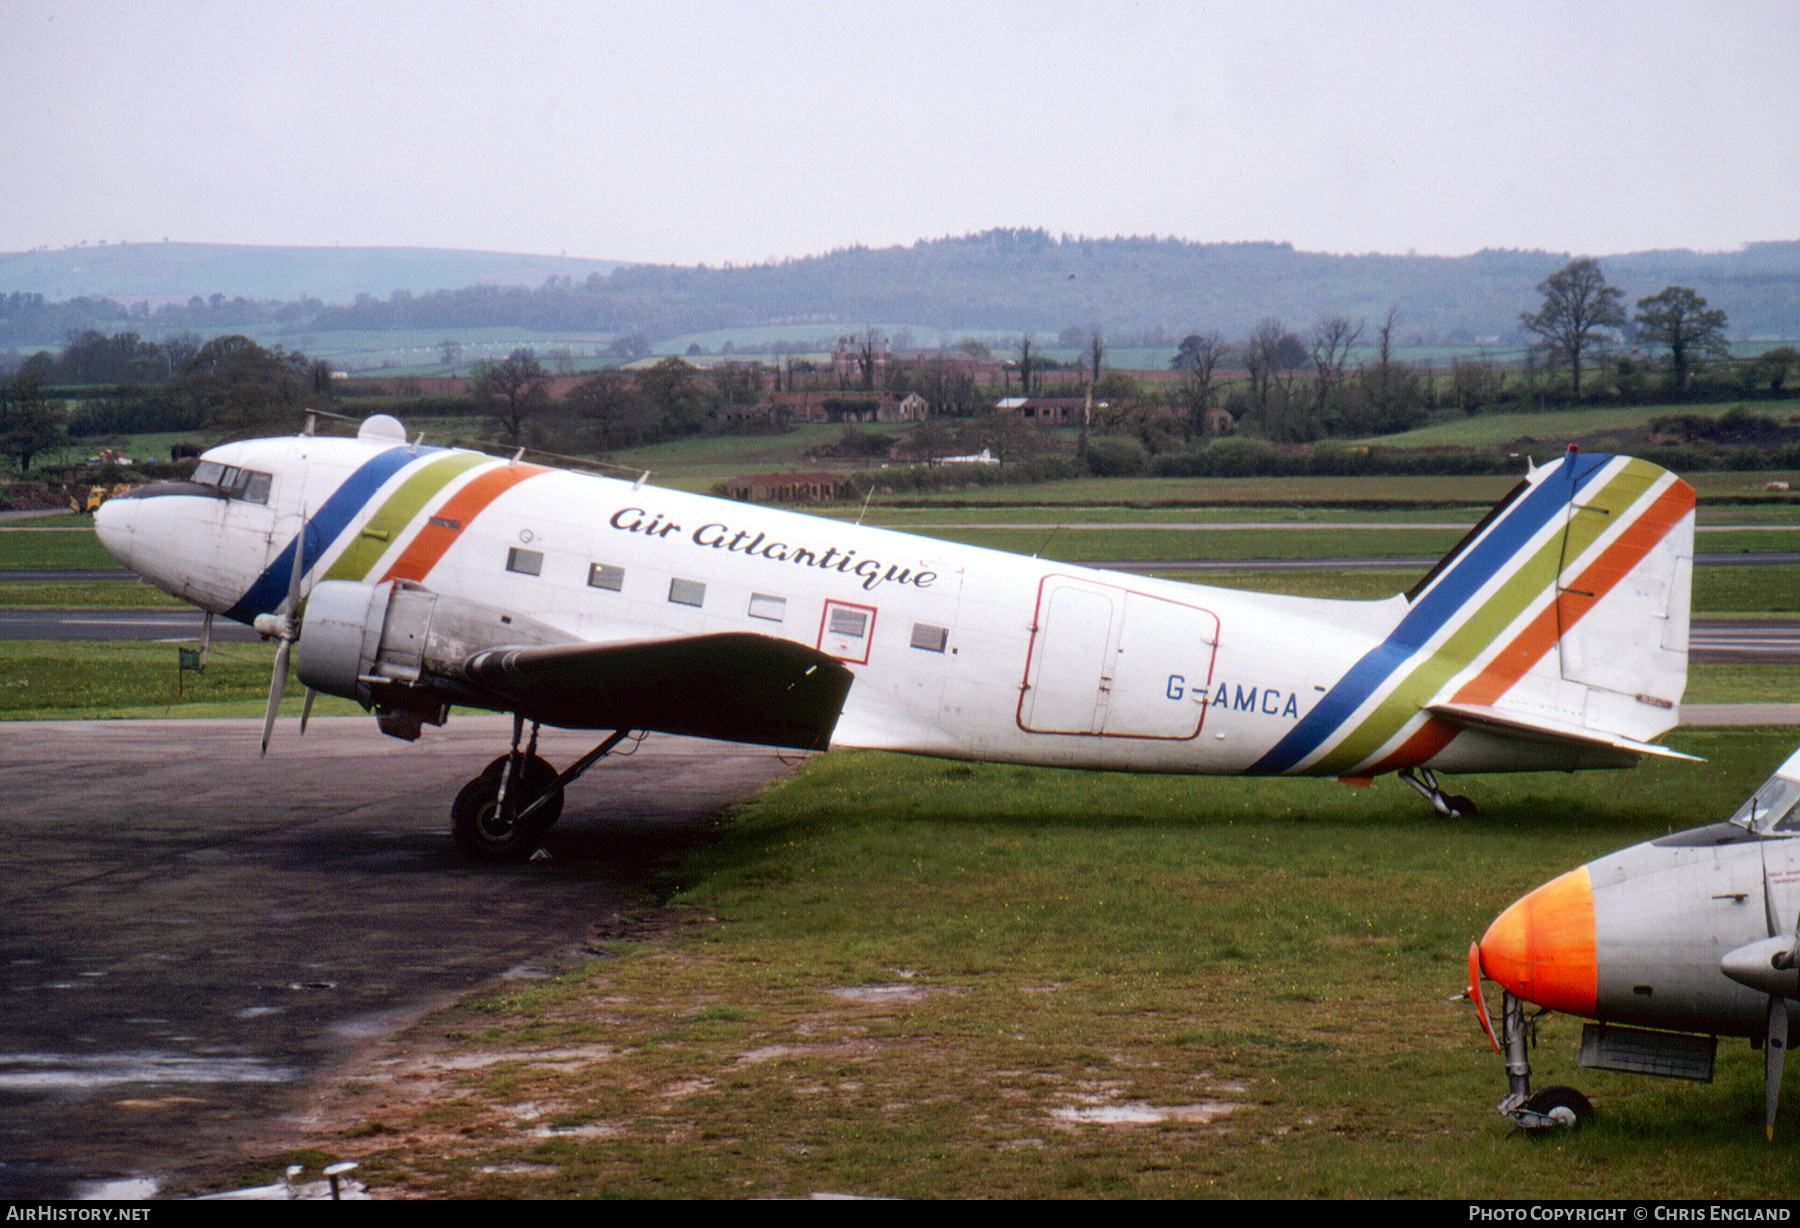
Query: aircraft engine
[{"x": 399, "y": 648}]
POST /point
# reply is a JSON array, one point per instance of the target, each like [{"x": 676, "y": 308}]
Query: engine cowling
[{"x": 399, "y": 648}]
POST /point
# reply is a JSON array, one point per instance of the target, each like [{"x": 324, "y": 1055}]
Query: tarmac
[{"x": 192, "y": 931}]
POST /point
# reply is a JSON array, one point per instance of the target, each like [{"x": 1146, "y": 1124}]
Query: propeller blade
[
  {"x": 277, "y": 684},
  {"x": 292, "y": 601},
  {"x": 1774, "y": 1055},
  {"x": 306, "y": 710},
  {"x": 285, "y": 624}
]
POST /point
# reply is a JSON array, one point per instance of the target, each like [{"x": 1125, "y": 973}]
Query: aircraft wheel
[
  {"x": 1465, "y": 807},
  {"x": 486, "y": 832},
  {"x": 538, "y": 775},
  {"x": 1563, "y": 1105}
]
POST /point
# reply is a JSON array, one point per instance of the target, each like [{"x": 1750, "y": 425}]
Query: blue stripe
[
  {"x": 321, "y": 529},
  {"x": 1435, "y": 607}
]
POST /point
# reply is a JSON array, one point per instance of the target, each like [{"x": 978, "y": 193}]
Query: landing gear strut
[
  {"x": 1553, "y": 1108},
  {"x": 503, "y": 813},
  {"x": 1450, "y": 805}
]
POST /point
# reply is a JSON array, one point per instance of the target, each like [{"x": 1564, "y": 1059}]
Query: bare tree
[
  {"x": 511, "y": 391},
  {"x": 1199, "y": 354},
  {"x": 1578, "y": 306},
  {"x": 1332, "y": 340}
]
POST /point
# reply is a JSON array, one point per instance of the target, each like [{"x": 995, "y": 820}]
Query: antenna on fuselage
[
  {"x": 312, "y": 420},
  {"x": 865, "y": 506},
  {"x": 642, "y": 478}
]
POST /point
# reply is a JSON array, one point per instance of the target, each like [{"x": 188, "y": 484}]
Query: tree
[
  {"x": 1578, "y": 305},
  {"x": 28, "y": 425},
  {"x": 451, "y": 349},
  {"x": 1678, "y": 320},
  {"x": 511, "y": 391},
  {"x": 232, "y": 383},
  {"x": 1199, "y": 354},
  {"x": 1332, "y": 340},
  {"x": 618, "y": 412},
  {"x": 1025, "y": 365}
]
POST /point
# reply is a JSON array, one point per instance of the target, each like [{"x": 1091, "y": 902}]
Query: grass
[
  {"x": 104, "y": 681},
  {"x": 1493, "y": 430},
  {"x": 908, "y": 978}
]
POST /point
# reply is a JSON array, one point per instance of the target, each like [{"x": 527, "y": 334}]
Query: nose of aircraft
[
  {"x": 113, "y": 521},
  {"x": 1542, "y": 948}
]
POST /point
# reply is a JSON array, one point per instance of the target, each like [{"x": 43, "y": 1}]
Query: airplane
[
  {"x": 414, "y": 578},
  {"x": 1666, "y": 946}
]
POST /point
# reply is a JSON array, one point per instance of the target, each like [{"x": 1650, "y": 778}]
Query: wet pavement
[{"x": 190, "y": 931}]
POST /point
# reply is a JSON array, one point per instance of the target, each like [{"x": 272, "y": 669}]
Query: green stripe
[
  {"x": 1527, "y": 582},
  {"x": 391, "y": 518}
]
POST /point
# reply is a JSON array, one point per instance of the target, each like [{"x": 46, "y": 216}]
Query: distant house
[
  {"x": 853, "y": 407},
  {"x": 1048, "y": 411},
  {"x": 789, "y": 487}
]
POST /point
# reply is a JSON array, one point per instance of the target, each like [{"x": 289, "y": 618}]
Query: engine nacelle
[{"x": 399, "y": 648}]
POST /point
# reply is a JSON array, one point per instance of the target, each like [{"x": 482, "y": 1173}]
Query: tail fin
[{"x": 1554, "y": 635}]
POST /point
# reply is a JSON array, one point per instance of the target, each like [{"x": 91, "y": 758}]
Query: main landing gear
[
  {"x": 503, "y": 813},
  {"x": 1450, "y": 805}
]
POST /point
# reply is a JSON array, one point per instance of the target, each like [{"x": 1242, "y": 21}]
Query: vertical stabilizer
[{"x": 1561, "y": 620}]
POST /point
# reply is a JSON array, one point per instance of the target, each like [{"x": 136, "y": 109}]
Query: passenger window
[
  {"x": 930, "y": 638},
  {"x": 525, "y": 562},
  {"x": 687, "y": 592},
  {"x": 602, "y": 575},
  {"x": 762, "y": 605}
]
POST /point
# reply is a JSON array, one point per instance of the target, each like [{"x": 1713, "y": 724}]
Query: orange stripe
[
  {"x": 423, "y": 553},
  {"x": 1542, "y": 632},
  {"x": 1639, "y": 539}
]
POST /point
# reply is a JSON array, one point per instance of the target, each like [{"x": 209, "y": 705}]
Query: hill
[
  {"x": 159, "y": 273},
  {"x": 1151, "y": 290}
]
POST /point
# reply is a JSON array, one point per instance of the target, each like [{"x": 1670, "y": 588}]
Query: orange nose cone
[{"x": 1542, "y": 948}]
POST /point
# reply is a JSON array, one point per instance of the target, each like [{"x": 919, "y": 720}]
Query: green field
[
  {"x": 1493, "y": 430},
  {"x": 901, "y": 977}
]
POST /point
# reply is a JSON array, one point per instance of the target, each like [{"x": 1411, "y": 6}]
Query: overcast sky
[{"x": 685, "y": 132}]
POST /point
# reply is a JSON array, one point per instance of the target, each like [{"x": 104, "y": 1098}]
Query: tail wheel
[{"x": 1565, "y": 1106}]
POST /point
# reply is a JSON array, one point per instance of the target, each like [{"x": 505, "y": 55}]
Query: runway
[{"x": 192, "y": 931}]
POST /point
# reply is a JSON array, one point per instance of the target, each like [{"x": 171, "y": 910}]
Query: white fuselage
[{"x": 957, "y": 651}]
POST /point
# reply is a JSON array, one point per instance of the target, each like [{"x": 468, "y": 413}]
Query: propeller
[
  {"x": 284, "y": 625},
  {"x": 1770, "y": 966}
]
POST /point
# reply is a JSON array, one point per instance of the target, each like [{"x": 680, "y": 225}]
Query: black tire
[
  {"x": 537, "y": 778},
  {"x": 1465, "y": 807},
  {"x": 486, "y": 834},
  {"x": 1567, "y": 1106}
]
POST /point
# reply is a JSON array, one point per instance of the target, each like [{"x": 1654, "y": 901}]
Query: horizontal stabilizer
[
  {"x": 735, "y": 687},
  {"x": 1512, "y": 724}
]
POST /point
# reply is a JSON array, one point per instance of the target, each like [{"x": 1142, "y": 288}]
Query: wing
[{"x": 736, "y": 687}]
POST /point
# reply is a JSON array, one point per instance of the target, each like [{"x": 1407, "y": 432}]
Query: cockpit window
[
  {"x": 1774, "y": 807},
  {"x": 245, "y": 484}
]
